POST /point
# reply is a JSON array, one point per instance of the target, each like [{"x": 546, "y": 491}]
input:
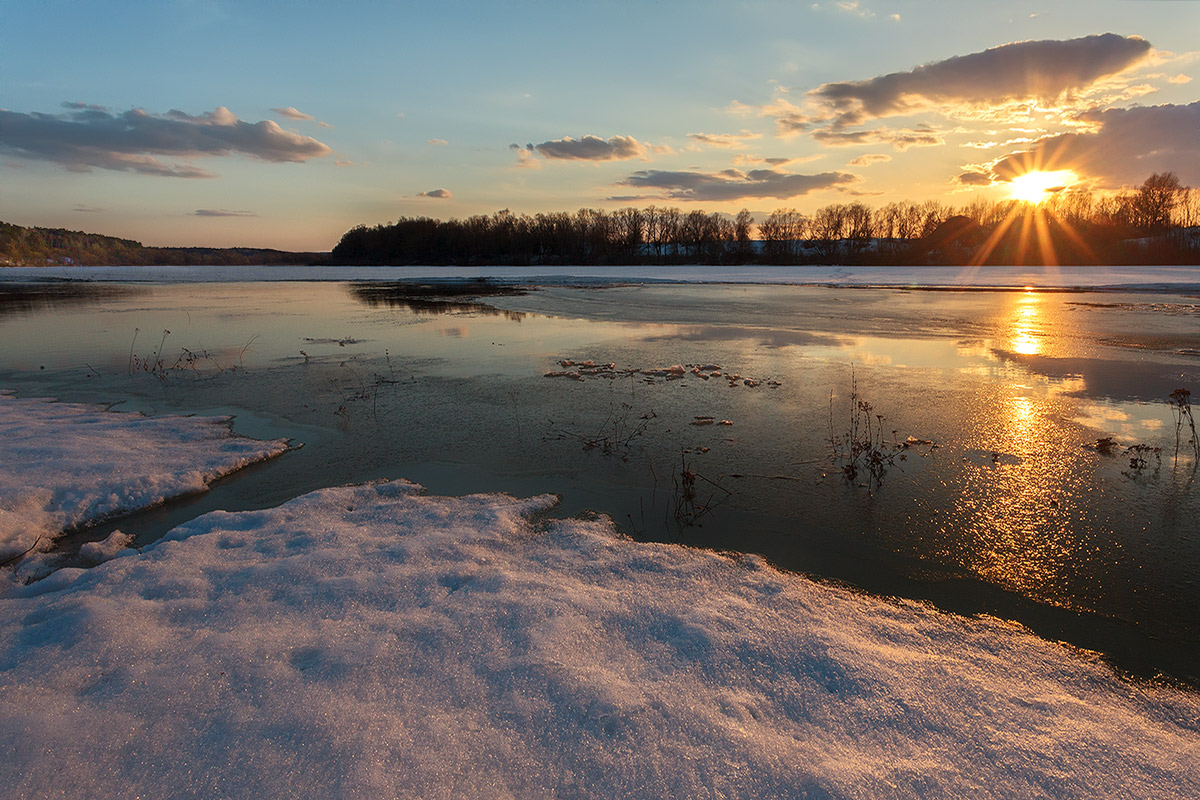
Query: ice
[
  {"x": 1149, "y": 278},
  {"x": 372, "y": 641},
  {"x": 63, "y": 465}
]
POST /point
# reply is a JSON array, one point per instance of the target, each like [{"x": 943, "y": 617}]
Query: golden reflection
[
  {"x": 1016, "y": 500},
  {"x": 1026, "y": 336}
]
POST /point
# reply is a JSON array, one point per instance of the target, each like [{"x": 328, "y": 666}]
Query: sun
[{"x": 1036, "y": 186}]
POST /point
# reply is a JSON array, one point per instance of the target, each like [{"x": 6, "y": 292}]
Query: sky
[{"x": 284, "y": 124}]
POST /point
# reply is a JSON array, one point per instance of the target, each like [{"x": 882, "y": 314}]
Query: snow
[
  {"x": 1149, "y": 278},
  {"x": 64, "y": 465},
  {"x": 372, "y": 641}
]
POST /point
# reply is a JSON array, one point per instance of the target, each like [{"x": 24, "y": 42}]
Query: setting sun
[{"x": 1034, "y": 187}]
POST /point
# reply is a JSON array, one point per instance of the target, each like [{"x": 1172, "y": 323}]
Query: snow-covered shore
[
  {"x": 63, "y": 465},
  {"x": 371, "y": 641}
]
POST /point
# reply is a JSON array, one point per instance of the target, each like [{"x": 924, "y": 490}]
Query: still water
[{"x": 1001, "y": 503}]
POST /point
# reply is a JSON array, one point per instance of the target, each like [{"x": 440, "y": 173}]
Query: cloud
[
  {"x": 221, "y": 212},
  {"x": 1122, "y": 147},
  {"x": 724, "y": 139},
  {"x": 1180, "y": 79},
  {"x": 1041, "y": 70},
  {"x": 855, "y": 8},
  {"x": 343, "y": 163},
  {"x": 742, "y": 159},
  {"x": 589, "y": 148},
  {"x": 82, "y": 209},
  {"x": 921, "y": 136},
  {"x": 869, "y": 158},
  {"x": 291, "y": 112},
  {"x": 732, "y": 184},
  {"x": 86, "y": 137},
  {"x": 525, "y": 158},
  {"x": 436, "y": 142},
  {"x": 437, "y": 194},
  {"x": 974, "y": 179}
]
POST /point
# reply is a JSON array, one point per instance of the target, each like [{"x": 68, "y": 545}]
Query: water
[{"x": 1011, "y": 513}]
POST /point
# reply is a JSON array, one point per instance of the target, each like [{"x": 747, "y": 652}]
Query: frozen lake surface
[
  {"x": 1005, "y": 505},
  {"x": 478, "y": 646}
]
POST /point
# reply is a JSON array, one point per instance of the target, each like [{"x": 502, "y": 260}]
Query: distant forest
[
  {"x": 1154, "y": 223},
  {"x": 55, "y": 246}
]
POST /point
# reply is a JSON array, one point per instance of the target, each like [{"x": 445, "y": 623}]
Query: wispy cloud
[
  {"x": 291, "y": 112},
  {"x": 732, "y": 184},
  {"x": 436, "y": 142},
  {"x": 921, "y": 136},
  {"x": 87, "y": 137},
  {"x": 724, "y": 139},
  {"x": 221, "y": 212},
  {"x": 437, "y": 194},
  {"x": 743, "y": 160},
  {"x": 82, "y": 209},
  {"x": 588, "y": 148},
  {"x": 867, "y": 159}
]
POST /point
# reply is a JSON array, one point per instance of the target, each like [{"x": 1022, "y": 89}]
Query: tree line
[
  {"x": 57, "y": 246},
  {"x": 1149, "y": 224}
]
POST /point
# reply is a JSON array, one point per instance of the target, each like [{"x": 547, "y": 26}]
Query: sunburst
[{"x": 1037, "y": 185}]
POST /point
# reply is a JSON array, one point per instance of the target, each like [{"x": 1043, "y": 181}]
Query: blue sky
[{"x": 284, "y": 124}]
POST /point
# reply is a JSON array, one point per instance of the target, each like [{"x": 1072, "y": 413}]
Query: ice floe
[{"x": 64, "y": 465}]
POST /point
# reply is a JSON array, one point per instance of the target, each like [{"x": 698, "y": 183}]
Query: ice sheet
[
  {"x": 1165, "y": 279},
  {"x": 374, "y": 642},
  {"x": 63, "y": 465}
]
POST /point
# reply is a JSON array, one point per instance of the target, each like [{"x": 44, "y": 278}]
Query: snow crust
[
  {"x": 374, "y": 642},
  {"x": 1166, "y": 279},
  {"x": 63, "y": 465}
]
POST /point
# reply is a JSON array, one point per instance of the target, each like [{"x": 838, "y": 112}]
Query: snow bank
[
  {"x": 373, "y": 642},
  {"x": 63, "y": 465}
]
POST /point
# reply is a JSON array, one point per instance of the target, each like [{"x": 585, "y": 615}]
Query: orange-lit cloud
[
  {"x": 437, "y": 194},
  {"x": 87, "y": 137},
  {"x": 1041, "y": 70},
  {"x": 724, "y": 139},
  {"x": 1122, "y": 147},
  {"x": 921, "y": 136},
  {"x": 733, "y": 184},
  {"x": 867, "y": 159}
]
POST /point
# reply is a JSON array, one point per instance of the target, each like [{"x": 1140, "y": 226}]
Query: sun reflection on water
[
  {"x": 1018, "y": 497},
  {"x": 1027, "y": 333}
]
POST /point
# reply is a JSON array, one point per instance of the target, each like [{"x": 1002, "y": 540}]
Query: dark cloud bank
[
  {"x": 587, "y": 148},
  {"x": 87, "y": 137}
]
